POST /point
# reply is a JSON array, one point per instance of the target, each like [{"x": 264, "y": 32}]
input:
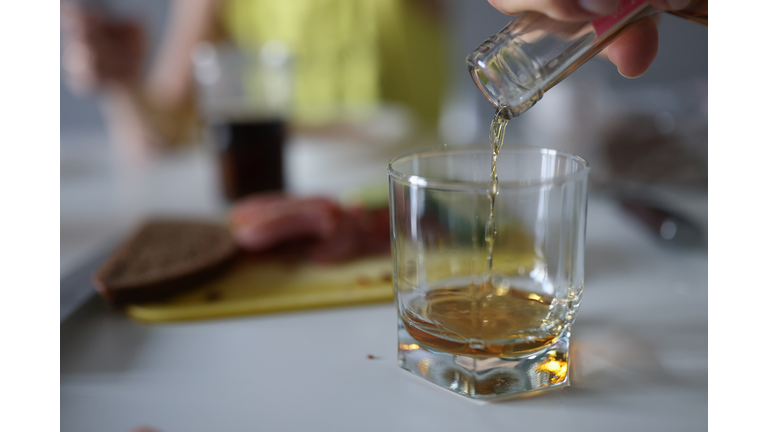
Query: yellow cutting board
[{"x": 253, "y": 286}]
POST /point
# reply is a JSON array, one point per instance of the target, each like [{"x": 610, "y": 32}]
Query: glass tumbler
[{"x": 487, "y": 328}]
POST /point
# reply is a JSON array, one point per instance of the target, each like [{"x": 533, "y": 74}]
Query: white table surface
[{"x": 639, "y": 345}]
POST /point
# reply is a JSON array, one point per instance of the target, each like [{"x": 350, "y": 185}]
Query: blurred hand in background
[
  {"x": 99, "y": 51},
  {"x": 144, "y": 112}
]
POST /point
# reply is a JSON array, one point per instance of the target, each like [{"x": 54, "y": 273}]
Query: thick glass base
[{"x": 486, "y": 378}]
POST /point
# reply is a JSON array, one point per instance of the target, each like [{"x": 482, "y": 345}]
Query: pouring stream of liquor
[{"x": 498, "y": 127}]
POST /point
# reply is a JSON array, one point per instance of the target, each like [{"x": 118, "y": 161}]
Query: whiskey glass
[{"x": 487, "y": 329}]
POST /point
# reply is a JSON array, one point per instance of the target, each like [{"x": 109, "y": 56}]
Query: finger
[
  {"x": 656, "y": 19},
  {"x": 634, "y": 51},
  {"x": 561, "y": 10}
]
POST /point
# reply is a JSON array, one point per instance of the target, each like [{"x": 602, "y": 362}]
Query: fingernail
[
  {"x": 600, "y": 7},
  {"x": 677, "y": 4},
  {"x": 627, "y": 76}
]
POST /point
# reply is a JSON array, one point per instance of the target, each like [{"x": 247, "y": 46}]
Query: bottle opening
[
  {"x": 482, "y": 81},
  {"x": 504, "y": 77}
]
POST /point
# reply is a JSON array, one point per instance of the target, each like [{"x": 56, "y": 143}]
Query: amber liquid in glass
[{"x": 467, "y": 321}]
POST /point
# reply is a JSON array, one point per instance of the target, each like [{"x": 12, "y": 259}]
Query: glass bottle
[{"x": 517, "y": 65}]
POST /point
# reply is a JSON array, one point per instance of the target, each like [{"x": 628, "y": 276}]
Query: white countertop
[{"x": 639, "y": 359}]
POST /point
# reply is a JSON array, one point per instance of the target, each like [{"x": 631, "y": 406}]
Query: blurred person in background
[{"x": 346, "y": 53}]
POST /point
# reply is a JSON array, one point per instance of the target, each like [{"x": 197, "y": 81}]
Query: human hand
[
  {"x": 322, "y": 229},
  {"x": 632, "y": 53},
  {"x": 100, "y": 52}
]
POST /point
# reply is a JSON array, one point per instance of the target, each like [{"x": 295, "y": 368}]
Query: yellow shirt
[{"x": 349, "y": 55}]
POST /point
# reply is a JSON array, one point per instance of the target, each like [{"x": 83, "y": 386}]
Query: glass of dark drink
[
  {"x": 244, "y": 97},
  {"x": 250, "y": 154}
]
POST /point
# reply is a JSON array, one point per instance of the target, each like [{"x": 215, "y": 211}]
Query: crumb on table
[{"x": 213, "y": 296}]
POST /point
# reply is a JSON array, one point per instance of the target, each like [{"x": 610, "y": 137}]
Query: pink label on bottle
[{"x": 627, "y": 7}]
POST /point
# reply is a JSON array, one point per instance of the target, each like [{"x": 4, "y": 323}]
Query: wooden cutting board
[{"x": 253, "y": 286}]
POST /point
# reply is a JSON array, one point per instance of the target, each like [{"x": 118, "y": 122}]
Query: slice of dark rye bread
[{"x": 163, "y": 258}]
